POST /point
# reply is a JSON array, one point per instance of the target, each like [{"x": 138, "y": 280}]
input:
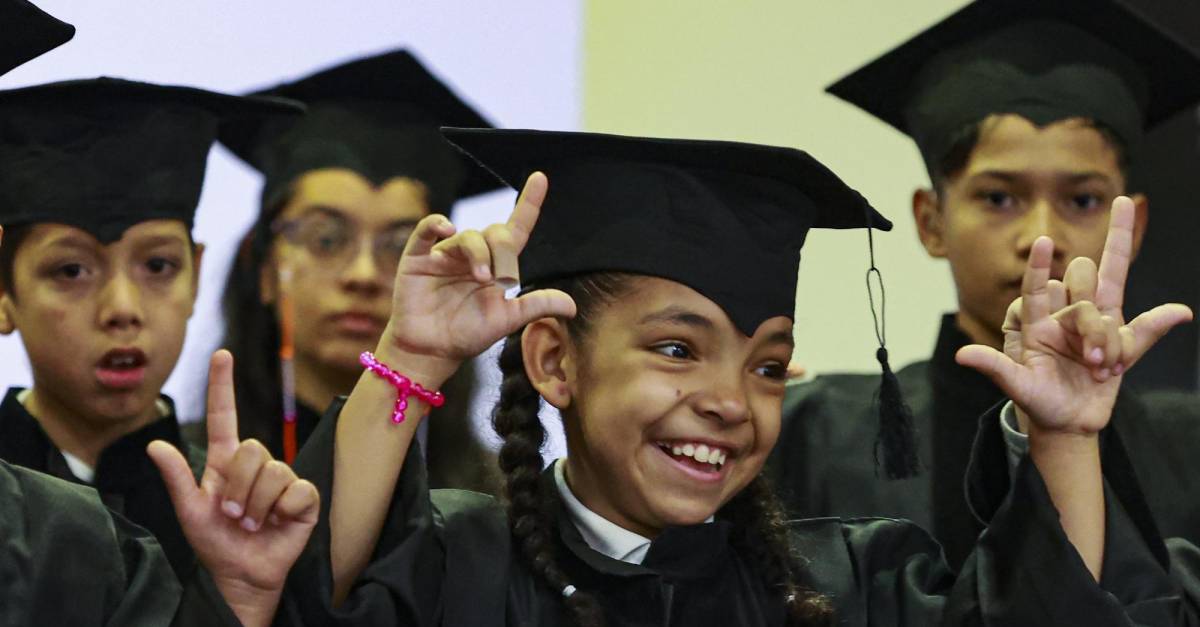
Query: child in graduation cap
[
  {"x": 65, "y": 559},
  {"x": 668, "y": 363},
  {"x": 1026, "y": 115},
  {"x": 99, "y": 181},
  {"x": 344, "y": 187}
]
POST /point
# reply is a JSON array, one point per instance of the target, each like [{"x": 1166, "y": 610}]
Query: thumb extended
[{"x": 176, "y": 474}]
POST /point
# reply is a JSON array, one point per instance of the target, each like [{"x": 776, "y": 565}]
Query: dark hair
[
  {"x": 455, "y": 457},
  {"x": 760, "y": 532},
  {"x": 963, "y": 142},
  {"x": 13, "y": 237}
]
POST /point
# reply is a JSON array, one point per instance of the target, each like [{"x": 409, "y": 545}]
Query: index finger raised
[
  {"x": 222, "y": 409},
  {"x": 1118, "y": 253},
  {"x": 1035, "y": 293},
  {"x": 529, "y": 207}
]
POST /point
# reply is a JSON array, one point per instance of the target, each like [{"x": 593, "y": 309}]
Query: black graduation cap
[
  {"x": 1104, "y": 60},
  {"x": 726, "y": 219},
  {"x": 28, "y": 32},
  {"x": 104, "y": 154},
  {"x": 378, "y": 116}
]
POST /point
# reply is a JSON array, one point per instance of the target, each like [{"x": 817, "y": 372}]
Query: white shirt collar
[{"x": 601, "y": 534}]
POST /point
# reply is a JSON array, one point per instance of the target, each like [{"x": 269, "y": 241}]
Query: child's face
[
  {"x": 342, "y": 242},
  {"x": 103, "y": 325},
  {"x": 1021, "y": 182},
  {"x": 664, "y": 369}
]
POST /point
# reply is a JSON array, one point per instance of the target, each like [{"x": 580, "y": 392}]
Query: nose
[
  {"x": 725, "y": 401},
  {"x": 121, "y": 304},
  {"x": 361, "y": 273},
  {"x": 1041, "y": 219}
]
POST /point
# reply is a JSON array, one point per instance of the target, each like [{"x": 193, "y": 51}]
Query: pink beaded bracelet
[{"x": 405, "y": 387}]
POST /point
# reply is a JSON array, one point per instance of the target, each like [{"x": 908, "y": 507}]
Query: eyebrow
[
  {"x": 71, "y": 240},
  {"x": 780, "y": 337},
  {"x": 151, "y": 241},
  {"x": 1070, "y": 177},
  {"x": 678, "y": 315}
]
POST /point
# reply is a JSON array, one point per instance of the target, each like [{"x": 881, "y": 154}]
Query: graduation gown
[
  {"x": 445, "y": 557},
  {"x": 824, "y": 463},
  {"x": 126, "y": 478},
  {"x": 65, "y": 559}
]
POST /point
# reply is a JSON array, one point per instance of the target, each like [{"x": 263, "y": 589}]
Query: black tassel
[{"x": 896, "y": 441}]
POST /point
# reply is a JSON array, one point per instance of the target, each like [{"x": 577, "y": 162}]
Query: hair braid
[
  {"x": 516, "y": 421},
  {"x": 761, "y": 535}
]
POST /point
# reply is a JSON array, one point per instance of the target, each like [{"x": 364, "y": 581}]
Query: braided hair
[{"x": 760, "y": 530}]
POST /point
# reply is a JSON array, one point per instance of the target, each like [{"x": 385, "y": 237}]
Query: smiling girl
[{"x": 659, "y": 290}]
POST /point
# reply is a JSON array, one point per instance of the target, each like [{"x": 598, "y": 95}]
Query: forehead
[
  {"x": 351, "y": 194},
  {"x": 649, "y": 296},
  {"x": 1011, "y": 143},
  {"x": 47, "y": 236}
]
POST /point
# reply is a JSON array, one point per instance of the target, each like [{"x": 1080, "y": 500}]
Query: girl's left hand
[
  {"x": 1066, "y": 345},
  {"x": 250, "y": 517}
]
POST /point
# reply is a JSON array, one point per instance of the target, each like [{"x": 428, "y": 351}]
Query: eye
[
  {"x": 161, "y": 265},
  {"x": 774, "y": 371},
  {"x": 674, "y": 350},
  {"x": 1087, "y": 202},
  {"x": 70, "y": 271},
  {"x": 997, "y": 199}
]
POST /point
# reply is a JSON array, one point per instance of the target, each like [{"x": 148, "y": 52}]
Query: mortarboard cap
[
  {"x": 1102, "y": 60},
  {"x": 105, "y": 154},
  {"x": 378, "y": 116},
  {"x": 28, "y": 32},
  {"x": 726, "y": 219}
]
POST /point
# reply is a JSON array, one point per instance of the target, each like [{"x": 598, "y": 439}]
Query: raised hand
[
  {"x": 449, "y": 302},
  {"x": 250, "y": 517},
  {"x": 1066, "y": 343}
]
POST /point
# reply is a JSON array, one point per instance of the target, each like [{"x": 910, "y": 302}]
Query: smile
[{"x": 701, "y": 454}]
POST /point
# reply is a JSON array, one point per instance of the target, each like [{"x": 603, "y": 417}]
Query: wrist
[
  {"x": 253, "y": 606},
  {"x": 429, "y": 371}
]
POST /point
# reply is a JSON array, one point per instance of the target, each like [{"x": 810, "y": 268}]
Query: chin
[{"x": 686, "y": 512}]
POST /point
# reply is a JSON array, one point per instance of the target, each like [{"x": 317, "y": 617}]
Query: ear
[
  {"x": 268, "y": 282},
  {"x": 1141, "y": 218},
  {"x": 197, "y": 257},
  {"x": 8, "y": 322},
  {"x": 546, "y": 346},
  {"x": 931, "y": 223}
]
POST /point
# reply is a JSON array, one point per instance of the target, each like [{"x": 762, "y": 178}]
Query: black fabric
[
  {"x": 1103, "y": 60},
  {"x": 671, "y": 208},
  {"x": 64, "y": 560},
  {"x": 378, "y": 116},
  {"x": 822, "y": 464},
  {"x": 126, "y": 478},
  {"x": 105, "y": 154},
  {"x": 28, "y": 32},
  {"x": 445, "y": 559}
]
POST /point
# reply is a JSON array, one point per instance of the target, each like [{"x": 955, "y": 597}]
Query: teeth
[{"x": 699, "y": 452}]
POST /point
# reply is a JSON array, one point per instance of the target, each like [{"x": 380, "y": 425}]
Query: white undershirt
[{"x": 603, "y": 535}]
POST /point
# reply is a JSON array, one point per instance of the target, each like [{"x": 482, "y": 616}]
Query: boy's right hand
[{"x": 449, "y": 302}]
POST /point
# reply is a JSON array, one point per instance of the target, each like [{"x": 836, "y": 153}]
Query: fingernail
[
  {"x": 484, "y": 272},
  {"x": 1118, "y": 369},
  {"x": 232, "y": 509},
  {"x": 274, "y": 519},
  {"x": 249, "y": 524},
  {"x": 1096, "y": 355}
]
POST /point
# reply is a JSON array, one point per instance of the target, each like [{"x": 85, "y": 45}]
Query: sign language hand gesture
[
  {"x": 1066, "y": 344},
  {"x": 449, "y": 303},
  {"x": 250, "y": 517}
]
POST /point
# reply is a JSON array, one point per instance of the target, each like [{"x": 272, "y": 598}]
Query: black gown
[
  {"x": 65, "y": 559},
  {"x": 823, "y": 463},
  {"x": 126, "y": 477},
  {"x": 445, "y": 558}
]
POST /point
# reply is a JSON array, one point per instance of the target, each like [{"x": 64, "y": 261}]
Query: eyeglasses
[{"x": 335, "y": 241}]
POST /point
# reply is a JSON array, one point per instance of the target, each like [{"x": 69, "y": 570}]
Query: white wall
[{"x": 518, "y": 60}]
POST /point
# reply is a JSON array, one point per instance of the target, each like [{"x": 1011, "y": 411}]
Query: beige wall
[{"x": 755, "y": 71}]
